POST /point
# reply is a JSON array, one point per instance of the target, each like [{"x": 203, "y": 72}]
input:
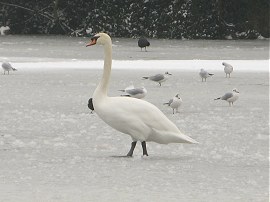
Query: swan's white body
[{"x": 137, "y": 118}]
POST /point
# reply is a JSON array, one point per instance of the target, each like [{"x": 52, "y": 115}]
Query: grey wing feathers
[
  {"x": 157, "y": 77},
  {"x": 169, "y": 103},
  {"x": 227, "y": 96},
  {"x": 135, "y": 91}
]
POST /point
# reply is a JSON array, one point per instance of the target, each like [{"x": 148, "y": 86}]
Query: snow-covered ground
[{"x": 53, "y": 149}]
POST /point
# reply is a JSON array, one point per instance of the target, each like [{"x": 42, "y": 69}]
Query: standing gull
[
  {"x": 228, "y": 69},
  {"x": 159, "y": 78},
  {"x": 204, "y": 74},
  {"x": 175, "y": 103},
  {"x": 7, "y": 67},
  {"x": 230, "y": 97},
  {"x": 143, "y": 42},
  {"x": 135, "y": 92},
  {"x": 139, "y": 119}
]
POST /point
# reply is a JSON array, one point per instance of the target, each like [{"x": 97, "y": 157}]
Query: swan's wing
[
  {"x": 157, "y": 77},
  {"x": 140, "y": 119},
  {"x": 227, "y": 96}
]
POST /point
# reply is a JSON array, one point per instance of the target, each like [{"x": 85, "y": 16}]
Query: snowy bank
[{"x": 183, "y": 65}]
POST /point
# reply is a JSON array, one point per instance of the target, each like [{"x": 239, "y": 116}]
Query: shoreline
[{"x": 176, "y": 65}]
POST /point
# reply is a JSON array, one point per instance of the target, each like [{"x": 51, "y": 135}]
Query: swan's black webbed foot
[
  {"x": 133, "y": 145},
  {"x": 144, "y": 149}
]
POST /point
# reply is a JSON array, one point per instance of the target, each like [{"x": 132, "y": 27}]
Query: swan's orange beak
[{"x": 93, "y": 41}]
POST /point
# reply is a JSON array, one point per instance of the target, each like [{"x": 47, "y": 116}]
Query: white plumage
[
  {"x": 230, "y": 97},
  {"x": 141, "y": 120},
  {"x": 228, "y": 69},
  {"x": 204, "y": 74},
  {"x": 175, "y": 102}
]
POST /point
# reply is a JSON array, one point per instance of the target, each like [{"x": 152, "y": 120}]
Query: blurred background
[{"x": 173, "y": 19}]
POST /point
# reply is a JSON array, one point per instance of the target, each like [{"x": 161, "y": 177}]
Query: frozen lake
[
  {"x": 20, "y": 48},
  {"x": 53, "y": 149}
]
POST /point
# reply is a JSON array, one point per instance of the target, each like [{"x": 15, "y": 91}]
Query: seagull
[
  {"x": 90, "y": 105},
  {"x": 135, "y": 92},
  {"x": 175, "y": 102},
  {"x": 204, "y": 74},
  {"x": 143, "y": 42},
  {"x": 230, "y": 97},
  {"x": 7, "y": 67},
  {"x": 228, "y": 69},
  {"x": 159, "y": 78}
]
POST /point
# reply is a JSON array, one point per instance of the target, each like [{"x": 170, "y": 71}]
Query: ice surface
[{"x": 53, "y": 149}]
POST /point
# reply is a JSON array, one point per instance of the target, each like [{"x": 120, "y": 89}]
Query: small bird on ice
[
  {"x": 143, "y": 42},
  {"x": 159, "y": 78},
  {"x": 230, "y": 97},
  {"x": 204, "y": 74},
  {"x": 228, "y": 69},
  {"x": 135, "y": 92},
  {"x": 7, "y": 67},
  {"x": 175, "y": 102}
]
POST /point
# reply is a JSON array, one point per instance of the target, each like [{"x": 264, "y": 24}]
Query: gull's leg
[
  {"x": 144, "y": 148},
  {"x": 133, "y": 145}
]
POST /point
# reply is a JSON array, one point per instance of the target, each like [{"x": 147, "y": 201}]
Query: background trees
[{"x": 191, "y": 19}]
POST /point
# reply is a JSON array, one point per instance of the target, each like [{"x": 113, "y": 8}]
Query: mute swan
[
  {"x": 7, "y": 67},
  {"x": 204, "y": 74},
  {"x": 143, "y": 42},
  {"x": 141, "y": 120},
  {"x": 175, "y": 102},
  {"x": 228, "y": 69},
  {"x": 135, "y": 92},
  {"x": 230, "y": 97},
  {"x": 159, "y": 78}
]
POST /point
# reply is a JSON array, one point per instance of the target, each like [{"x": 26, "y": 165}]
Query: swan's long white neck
[{"x": 102, "y": 88}]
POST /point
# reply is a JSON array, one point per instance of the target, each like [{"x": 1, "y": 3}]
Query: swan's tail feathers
[
  {"x": 218, "y": 98},
  {"x": 187, "y": 139},
  {"x": 145, "y": 77}
]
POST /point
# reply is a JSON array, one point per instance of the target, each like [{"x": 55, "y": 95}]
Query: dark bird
[
  {"x": 143, "y": 42},
  {"x": 90, "y": 104}
]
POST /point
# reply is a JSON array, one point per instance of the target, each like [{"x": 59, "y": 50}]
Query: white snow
[{"x": 183, "y": 65}]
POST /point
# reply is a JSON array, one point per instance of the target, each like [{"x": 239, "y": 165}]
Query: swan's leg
[
  {"x": 144, "y": 148},
  {"x": 133, "y": 145}
]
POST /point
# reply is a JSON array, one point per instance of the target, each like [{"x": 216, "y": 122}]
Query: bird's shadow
[{"x": 155, "y": 158}]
